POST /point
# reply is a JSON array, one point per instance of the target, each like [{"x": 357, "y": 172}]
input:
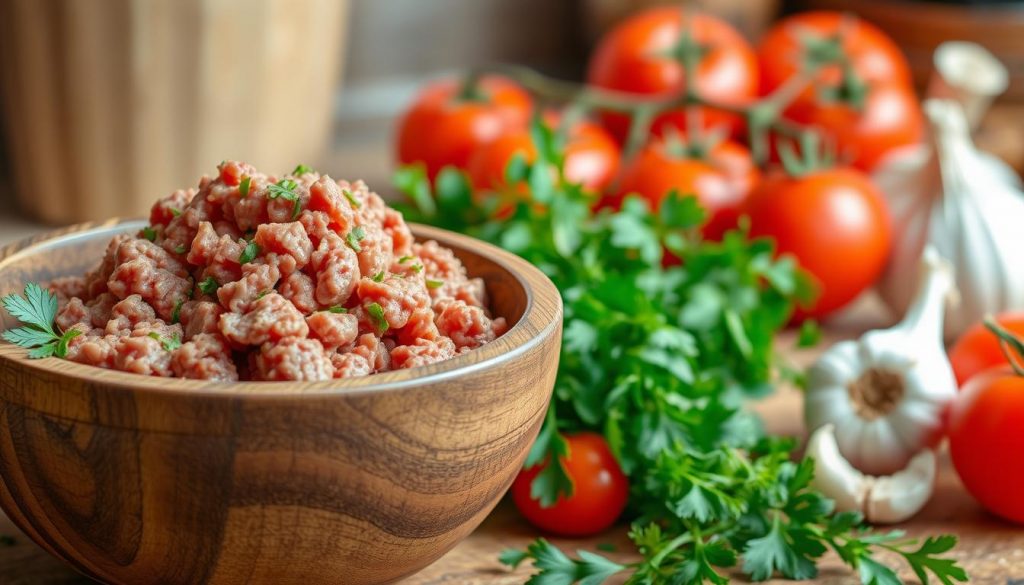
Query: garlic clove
[
  {"x": 919, "y": 422},
  {"x": 842, "y": 366},
  {"x": 898, "y": 497},
  {"x": 884, "y": 499},
  {"x": 833, "y": 475},
  {"x": 873, "y": 447}
]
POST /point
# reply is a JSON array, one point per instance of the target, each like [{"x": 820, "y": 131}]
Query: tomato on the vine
[
  {"x": 807, "y": 38},
  {"x": 889, "y": 118},
  {"x": 449, "y": 120},
  {"x": 834, "y": 222},
  {"x": 644, "y": 55},
  {"x": 599, "y": 497},
  {"x": 978, "y": 349},
  {"x": 869, "y": 107},
  {"x": 986, "y": 441},
  {"x": 720, "y": 176},
  {"x": 591, "y": 156}
]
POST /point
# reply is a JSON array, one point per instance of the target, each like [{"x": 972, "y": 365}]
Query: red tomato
[
  {"x": 874, "y": 56},
  {"x": 636, "y": 57},
  {"x": 836, "y": 224},
  {"x": 600, "y": 495},
  {"x": 441, "y": 128},
  {"x": 891, "y": 118},
  {"x": 722, "y": 180},
  {"x": 978, "y": 349},
  {"x": 986, "y": 441},
  {"x": 591, "y": 157}
]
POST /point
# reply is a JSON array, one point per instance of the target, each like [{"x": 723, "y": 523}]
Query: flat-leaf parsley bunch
[{"x": 665, "y": 336}]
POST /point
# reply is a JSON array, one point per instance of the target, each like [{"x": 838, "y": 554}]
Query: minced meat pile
[{"x": 256, "y": 277}]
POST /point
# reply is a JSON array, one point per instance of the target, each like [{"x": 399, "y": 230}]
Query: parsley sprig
[
  {"x": 36, "y": 310},
  {"x": 659, "y": 357}
]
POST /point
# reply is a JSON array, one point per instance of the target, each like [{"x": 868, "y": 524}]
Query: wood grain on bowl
[{"x": 133, "y": 479}]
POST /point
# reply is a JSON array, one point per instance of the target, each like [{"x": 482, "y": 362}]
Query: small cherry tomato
[
  {"x": 986, "y": 441},
  {"x": 591, "y": 157},
  {"x": 798, "y": 40},
  {"x": 642, "y": 55},
  {"x": 978, "y": 349},
  {"x": 720, "y": 178},
  {"x": 834, "y": 222},
  {"x": 443, "y": 127},
  {"x": 600, "y": 495}
]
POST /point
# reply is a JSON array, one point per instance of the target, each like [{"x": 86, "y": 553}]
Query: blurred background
[{"x": 109, "y": 104}]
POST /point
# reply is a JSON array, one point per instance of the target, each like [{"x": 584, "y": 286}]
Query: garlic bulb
[
  {"x": 886, "y": 499},
  {"x": 969, "y": 210},
  {"x": 886, "y": 392}
]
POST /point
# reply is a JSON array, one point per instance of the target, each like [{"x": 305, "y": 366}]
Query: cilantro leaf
[
  {"x": 354, "y": 237},
  {"x": 169, "y": 343},
  {"x": 244, "y": 185},
  {"x": 36, "y": 310},
  {"x": 550, "y": 450},
  {"x": 302, "y": 169},
  {"x": 209, "y": 285},
  {"x": 555, "y": 568},
  {"x": 376, "y": 313},
  {"x": 432, "y": 283},
  {"x": 149, "y": 233},
  {"x": 251, "y": 251},
  {"x": 351, "y": 199}
]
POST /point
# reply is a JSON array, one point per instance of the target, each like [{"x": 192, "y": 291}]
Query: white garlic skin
[
  {"x": 911, "y": 355},
  {"x": 969, "y": 210},
  {"x": 882, "y": 499}
]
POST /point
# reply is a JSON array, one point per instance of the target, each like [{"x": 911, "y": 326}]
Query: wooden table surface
[{"x": 991, "y": 550}]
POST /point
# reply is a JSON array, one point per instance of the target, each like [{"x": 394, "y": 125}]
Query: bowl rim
[{"x": 541, "y": 316}]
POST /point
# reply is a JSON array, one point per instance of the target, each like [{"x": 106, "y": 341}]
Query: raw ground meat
[{"x": 263, "y": 277}]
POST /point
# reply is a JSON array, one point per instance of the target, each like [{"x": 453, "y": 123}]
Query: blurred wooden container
[{"x": 109, "y": 104}]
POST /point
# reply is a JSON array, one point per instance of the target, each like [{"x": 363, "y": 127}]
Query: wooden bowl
[{"x": 133, "y": 479}]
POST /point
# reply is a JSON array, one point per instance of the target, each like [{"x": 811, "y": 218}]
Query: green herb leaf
[
  {"x": 554, "y": 568},
  {"x": 432, "y": 284},
  {"x": 301, "y": 169},
  {"x": 404, "y": 259},
  {"x": 263, "y": 293},
  {"x": 517, "y": 169},
  {"x": 379, "y": 277},
  {"x": 354, "y": 237},
  {"x": 351, "y": 199},
  {"x": 285, "y": 189},
  {"x": 810, "y": 334},
  {"x": 376, "y": 313},
  {"x": 169, "y": 343},
  {"x": 336, "y": 309},
  {"x": 209, "y": 285},
  {"x": 244, "y": 185},
  {"x": 180, "y": 249},
  {"x": 175, "y": 212},
  {"x": 176, "y": 311},
  {"x": 149, "y": 233},
  {"x": 251, "y": 251},
  {"x": 36, "y": 310}
]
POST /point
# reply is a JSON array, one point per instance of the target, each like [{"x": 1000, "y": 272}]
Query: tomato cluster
[{"x": 824, "y": 72}]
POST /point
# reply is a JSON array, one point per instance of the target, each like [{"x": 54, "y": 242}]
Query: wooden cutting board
[{"x": 991, "y": 550}]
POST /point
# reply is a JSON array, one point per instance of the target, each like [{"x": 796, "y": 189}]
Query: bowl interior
[{"x": 78, "y": 249}]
